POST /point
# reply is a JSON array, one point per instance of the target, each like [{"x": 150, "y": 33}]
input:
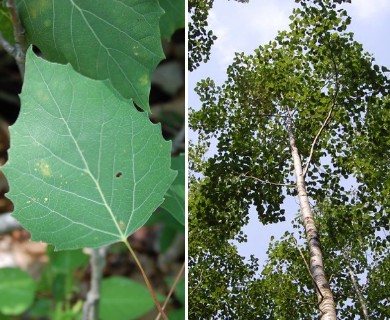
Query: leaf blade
[
  {"x": 98, "y": 42},
  {"x": 86, "y": 169}
]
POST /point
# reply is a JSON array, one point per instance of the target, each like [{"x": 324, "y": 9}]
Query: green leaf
[
  {"x": 6, "y": 25},
  {"x": 180, "y": 291},
  {"x": 115, "y": 40},
  {"x": 40, "y": 308},
  {"x": 167, "y": 236},
  {"x": 85, "y": 167},
  {"x": 17, "y": 290},
  {"x": 122, "y": 298},
  {"x": 174, "y": 17},
  {"x": 175, "y": 198},
  {"x": 178, "y": 314},
  {"x": 66, "y": 261}
]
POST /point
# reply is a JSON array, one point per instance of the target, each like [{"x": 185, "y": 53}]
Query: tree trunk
[{"x": 324, "y": 294}]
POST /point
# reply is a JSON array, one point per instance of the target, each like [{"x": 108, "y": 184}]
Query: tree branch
[
  {"x": 267, "y": 182},
  {"x": 308, "y": 269},
  {"x": 325, "y": 123},
  {"x": 355, "y": 284},
  {"x": 91, "y": 305},
  {"x": 19, "y": 50},
  {"x": 172, "y": 289},
  {"x": 7, "y": 46}
]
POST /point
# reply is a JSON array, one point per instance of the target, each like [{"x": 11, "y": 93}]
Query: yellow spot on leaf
[
  {"x": 45, "y": 169},
  {"x": 144, "y": 80},
  {"x": 122, "y": 225}
]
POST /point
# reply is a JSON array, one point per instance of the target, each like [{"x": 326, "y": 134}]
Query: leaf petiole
[{"x": 161, "y": 310}]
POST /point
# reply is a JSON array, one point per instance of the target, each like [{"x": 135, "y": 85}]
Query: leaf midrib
[{"x": 87, "y": 169}]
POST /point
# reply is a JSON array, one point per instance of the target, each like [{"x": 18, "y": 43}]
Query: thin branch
[
  {"x": 91, "y": 305},
  {"x": 325, "y": 123},
  {"x": 355, "y": 283},
  {"x": 19, "y": 52},
  {"x": 200, "y": 279},
  {"x": 7, "y": 46},
  {"x": 308, "y": 269},
  {"x": 267, "y": 182},
  {"x": 179, "y": 275}
]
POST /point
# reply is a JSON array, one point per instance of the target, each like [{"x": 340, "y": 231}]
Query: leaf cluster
[
  {"x": 315, "y": 70},
  {"x": 200, "y": 39}
]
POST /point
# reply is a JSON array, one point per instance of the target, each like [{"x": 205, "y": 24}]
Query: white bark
[{"x": 324, "y": 294}]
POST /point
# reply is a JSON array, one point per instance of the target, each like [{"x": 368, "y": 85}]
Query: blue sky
[{"x": 242, "y": 28}]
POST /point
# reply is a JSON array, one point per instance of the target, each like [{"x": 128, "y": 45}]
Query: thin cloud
[{"x": 257, "y": 21}]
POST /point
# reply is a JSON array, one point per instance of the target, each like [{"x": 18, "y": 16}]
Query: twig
[
  {"x": 20, "y": 48},
  {"x": 7, "y": 46},
  {"x": 325, "y": 123},
  {"x": 91, "y": 305},
  {"x": 172, "y": 289},
  {"x": 200, "y": 279},
  {"x": 347, "y": 257},
  {"x": 268, "y": 182},
  {"x": 8, "y": 223}
]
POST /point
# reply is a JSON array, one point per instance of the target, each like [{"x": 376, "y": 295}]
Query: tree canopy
[{"x": 314, "y": 103}]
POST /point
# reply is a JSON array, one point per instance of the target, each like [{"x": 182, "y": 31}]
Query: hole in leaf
[{"x": 118, "y": 174}]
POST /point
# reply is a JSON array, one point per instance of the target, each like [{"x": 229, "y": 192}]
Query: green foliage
[
  {"x": 17, "y": 291},
  {"x": 91, "y": 167},
  {"x": 217, "y": 274},
  {"x": 327, "y": 72},
  {"x": 200, "y": 39},
  {"x": 347, "y": 246},
  {"x": 124, "y": 299},
  {"x": 58, "y": 285},
  {"x": 218, "y": 278},
  {"x": 173, "y": 18},
  {"x": 6, "y": 25},
  {"x": 339, "y": 101},
  {"x": 98, "y": 42},
  {"x": 76, "y": 185},
  {"x": 175, "y": 197}
]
